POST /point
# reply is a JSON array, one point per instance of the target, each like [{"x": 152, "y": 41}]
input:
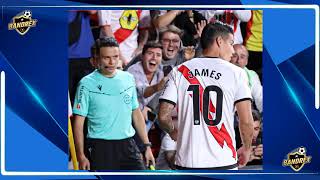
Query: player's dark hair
[
  {"x": 105, "y": 42},
  {"x": 213, "y": 30},
  {"x": 151, "y": 44}
]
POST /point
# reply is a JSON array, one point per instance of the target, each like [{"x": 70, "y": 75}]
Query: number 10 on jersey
[{"x": 203, "y": 104}]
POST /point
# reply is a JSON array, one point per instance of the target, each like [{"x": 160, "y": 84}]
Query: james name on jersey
[{"x": 205, "y": 72}]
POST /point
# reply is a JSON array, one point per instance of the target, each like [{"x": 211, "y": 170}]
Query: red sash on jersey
[
  {"x": 219, "y": 135},
  {"x": 249, "y": 26},
  {"x": 229, "y": 17},
  {"x": 122, "y": 34}
]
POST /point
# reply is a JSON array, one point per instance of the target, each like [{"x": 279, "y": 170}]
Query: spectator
[
  {"x": 150, "y": 80},
  {"x": 257, "y": 127},
  {"x": 129, "y": 27},
  {"x": 94, "y": 55},
  {"x": 231, "y": 17},
  {"x": 257, "y": 147},
  {"x": 254, "y": 41},
  {"x": 240, "y": 58},
  {"x": 172, "y": 53},
  {"x": 80, "y": 42},
  {"x": 107, "y": 98},
  {"x": 186, "y": 20},
  {"x": 256, "y": 154},
  {"x": 148, "y": 73}
]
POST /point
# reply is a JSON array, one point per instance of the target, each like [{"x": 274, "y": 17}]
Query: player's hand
[
  {"x": 149, "y": 157},
  {"x": 174, "y": 134},
  {"x": 84, "y": 163},
  {"x": 243, "y": 156},
  {"x": 189, "y": 52}
]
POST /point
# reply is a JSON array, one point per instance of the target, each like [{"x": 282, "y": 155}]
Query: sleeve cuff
[
  {"x": 243, "y": 99},
  {"x": 168, "y": 101},
  {"x": 79, "y": 113}
]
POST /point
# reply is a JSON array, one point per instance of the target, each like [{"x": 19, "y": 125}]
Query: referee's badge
[{"x": 127, "y": 99}]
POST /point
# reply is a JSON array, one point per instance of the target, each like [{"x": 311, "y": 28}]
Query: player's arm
[
  {"x": 140, "y": 126},
  {"x": 245, "y": 122},
  {"x": 246, "y": 130},
  {"x": 79, "y": 142},
  {"x": 168, "y": 100},
  {"x": 165, "y": 119}
]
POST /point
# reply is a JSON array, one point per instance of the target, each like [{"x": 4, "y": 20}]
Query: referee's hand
[
  {"x": 84, "y": 164},
  {"x": 149, "y": 157}
]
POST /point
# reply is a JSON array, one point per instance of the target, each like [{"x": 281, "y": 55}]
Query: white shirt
[
  {"x": 256, "y": 91},
  {"x": 239, "y": 16},
  {"x": 142, "y": 82},
  {"x": 112, "y": 18},
  {"x": 205, "y": 91},
  {"x": 167, "y": 144}
]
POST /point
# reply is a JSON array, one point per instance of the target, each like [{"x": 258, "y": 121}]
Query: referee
[{"x": 108, "y": 99}]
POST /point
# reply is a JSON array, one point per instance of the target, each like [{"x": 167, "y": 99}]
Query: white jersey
[
  {"x": 205, "y": 91},
  {"x": 118, "y": 19},
  {"x": 167, "y": 144}
]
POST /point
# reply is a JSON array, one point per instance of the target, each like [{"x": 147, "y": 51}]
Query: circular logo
[
  {"x": 127, "y": 99},
  {"x": 129, "y": 19}
]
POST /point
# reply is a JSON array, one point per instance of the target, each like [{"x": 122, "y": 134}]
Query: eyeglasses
[{"x": 173, "y": 41}]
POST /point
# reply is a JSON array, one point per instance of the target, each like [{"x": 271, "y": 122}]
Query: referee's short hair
[
  {"x": 213, "y": 30},
  {"x": 105, "y": 42}
]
